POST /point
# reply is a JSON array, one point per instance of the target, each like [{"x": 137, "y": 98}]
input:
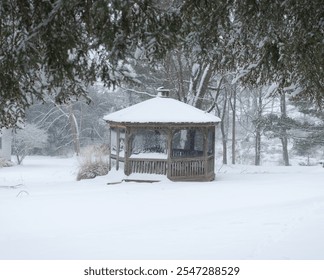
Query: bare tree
[
  {"x": 221, "y": 112},
  {"x": 27, "y": 139},
  {"x": 233, "y": 108},
  {"x": 258, "y": 126},
  {"x": 75, "y": 130}
]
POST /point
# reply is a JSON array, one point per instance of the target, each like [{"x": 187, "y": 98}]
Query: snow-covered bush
[
  {"x": 27, "y": 139},
  {"x": 93, "y": 163},
  {"x": 5, "y": 163}
]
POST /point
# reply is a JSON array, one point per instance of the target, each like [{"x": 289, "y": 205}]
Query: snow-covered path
[{"x": 246, "y": 213}]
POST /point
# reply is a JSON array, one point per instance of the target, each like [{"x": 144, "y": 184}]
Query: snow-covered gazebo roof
[{"x": 161, "y": 110}]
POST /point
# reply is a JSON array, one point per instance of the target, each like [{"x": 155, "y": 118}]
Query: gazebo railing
[
  {"x": 191, "y": 168},
  {"x": 179, "y": 168},
  {"x": 150, "y": 166}
]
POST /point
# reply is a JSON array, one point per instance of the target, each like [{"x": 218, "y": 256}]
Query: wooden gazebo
[{"x": 163, "y": 136}]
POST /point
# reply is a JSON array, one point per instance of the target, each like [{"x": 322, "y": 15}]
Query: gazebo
[{"x": 163, "y": 136}]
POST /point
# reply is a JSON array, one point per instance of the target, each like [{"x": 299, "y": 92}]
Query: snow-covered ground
[{"x": 248, "y": 212}]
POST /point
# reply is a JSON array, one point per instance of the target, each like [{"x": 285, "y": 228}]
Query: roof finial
[{"x": 163, "y": 92}]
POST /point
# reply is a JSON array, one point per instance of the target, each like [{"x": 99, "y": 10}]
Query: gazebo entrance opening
[{"x": 147, "y": 151}]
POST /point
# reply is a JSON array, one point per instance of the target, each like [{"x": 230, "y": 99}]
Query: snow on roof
[{"x": 161, "y": 110}]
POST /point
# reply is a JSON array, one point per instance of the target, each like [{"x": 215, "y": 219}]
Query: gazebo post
[
  {"x": 205, "y": 151},
  {"x": 109, "y": 150},
  {"x": 169, "y": 145},
  {"x": 117, "y": 148},
  {"x": 127, "y": 151}
]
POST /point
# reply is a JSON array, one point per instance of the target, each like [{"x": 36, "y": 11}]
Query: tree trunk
[
  {"x": 75, "y": 131},
  {"x": 258, "y": 130},
  {"x": 203, "y": 86},
  {"x": 284, "y": 142},
  {"x": 180, "y": 77},
  {"x": 199, "y": 80},
  {"x": 284, "y": 137},
  {"x": 224, "y": 150},
  {"x": 233, "y": 107},
  {"x": 257, "y": 147},
  {"x": 223, "y": 126},
  {"x": 190, "y": 140}
]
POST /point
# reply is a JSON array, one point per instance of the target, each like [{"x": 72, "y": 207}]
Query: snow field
[{"x": 248, "y": 212}]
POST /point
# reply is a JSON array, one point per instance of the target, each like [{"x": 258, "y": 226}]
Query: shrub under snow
[
  {"x": 5, "y": 163},
  {"x": 93, "y": 163}
]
